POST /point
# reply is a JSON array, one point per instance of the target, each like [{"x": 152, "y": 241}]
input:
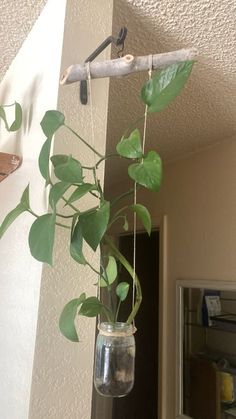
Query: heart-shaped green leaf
[
  {"x": 51, "y": 121},
  {"x": 148, "y": 173},
  {"x": 41, "y": 238},
  {"x": 43, "y": 160},
  {"x": 80, "y": 191},
  {"x": 18, "y": 118},
  {"x": 76, "y": 245},
  {"x": 94, "y": 224},
  {"x": 111, "y": 273},
  {"x": 57, "y": 191},
  {"x": 67, "y": 318},
  {"x": 130, "y": 147},
  {"x": 166, "y": 85},
  {"x": 144, "y": 215},
  {"x": 12, "y": 215},
  {"x": 70, "y": 171},
  {"x": 16, "y": 124},
  {"x": 122, "y": 290},
  {"x": 91, "y": 307}
]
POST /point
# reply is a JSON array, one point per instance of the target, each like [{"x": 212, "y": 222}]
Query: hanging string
[
  {"x": 94, "y": 155},
  {"x": 135, "y": 192},
  {"x": 91, "y": 109}
]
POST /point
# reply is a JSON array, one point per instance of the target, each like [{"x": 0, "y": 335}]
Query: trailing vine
[{"x": 92, "y": 225}]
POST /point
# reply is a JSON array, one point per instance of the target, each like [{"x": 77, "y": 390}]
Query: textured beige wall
[
  {"x": 32, "y": 81},
  {"x": 17, "y": 19},
  {"x": 198, "y": 196},
  {"x": 62, "y": 377}
]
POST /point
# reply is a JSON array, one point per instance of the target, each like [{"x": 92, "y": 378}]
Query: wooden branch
[{"x": 125, "y": 65}]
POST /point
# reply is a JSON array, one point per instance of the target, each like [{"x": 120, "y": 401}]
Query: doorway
[{"x": 143, "y": 400}]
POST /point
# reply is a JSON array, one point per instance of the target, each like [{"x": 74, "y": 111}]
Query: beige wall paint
[
  {"x": 63, "y": 371},
  {"x": 198, "y": 196},
  {"x": 32, "y": 81},
  {"x": 17, "y": 20}
]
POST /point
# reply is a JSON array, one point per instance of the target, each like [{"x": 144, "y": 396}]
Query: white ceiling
[
  {"x": 205, "y": 113},
  {"x": 17, "y": 19}
]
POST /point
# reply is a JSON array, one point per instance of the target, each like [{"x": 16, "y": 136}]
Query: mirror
[{"x": 206, "y": 342}]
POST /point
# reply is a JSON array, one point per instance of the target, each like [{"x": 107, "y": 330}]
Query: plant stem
[
  {"x": 109, "y": 289},
  {"x": 64, "y": 216},
  {"x": 62, "y": 225},
  {"x": 117, "y": 311},
  {"x": 87, "y": 167},
  {"x": 114, "y": 220},
  {"x": 64, "y": 199},
  {"x": 70, "y": 205},
  {"x": 57, "y": 224},
  {"x": 129, "y": 192},
  {"x": 92, "y": 193},
  {"x": 33, "y": 213},
  {"x": 108, "y": 314},
  {"x": 96, "y": 272},
  {"x": 133, "y": 274},
  {"x": 108, "y": 156},
  {"x": 83, "y": 141}
]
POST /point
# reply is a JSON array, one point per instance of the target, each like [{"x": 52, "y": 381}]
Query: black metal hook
[{"x": 119, "y": 41}]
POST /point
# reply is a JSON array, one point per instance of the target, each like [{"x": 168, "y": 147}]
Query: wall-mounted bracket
[{"x": 119, "y": 42}]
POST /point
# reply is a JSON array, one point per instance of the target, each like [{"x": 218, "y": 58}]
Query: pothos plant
[{"x": 92, "y": 225}]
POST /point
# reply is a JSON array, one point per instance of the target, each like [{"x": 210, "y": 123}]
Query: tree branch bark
[{"x": 125, "y": 65}]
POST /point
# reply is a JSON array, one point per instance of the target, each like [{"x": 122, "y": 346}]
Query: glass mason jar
[{"x": 114, "y": 359}]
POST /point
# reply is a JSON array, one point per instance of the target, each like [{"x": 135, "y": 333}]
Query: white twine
[
  {"x": 91, "y": 109},
  {"x": 135, "y": 190},
  {"x": 94, "y": 155},
  {"x": 150, "y": 63},
  {"x": 114, "y": 333}
]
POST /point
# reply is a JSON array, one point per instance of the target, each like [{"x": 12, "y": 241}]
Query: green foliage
[
  {"x": 67, "y": 318},
  {"x": 130, "y": 147},
  {"x": 12, "y": 215},
  {"x": 16, "y": 124},
  {"x": 148, "y": 172},
  {"x": 57, "y": 191},
  {"x": 41, "y": 238},
  {"x": 165, "y": 86},
  {"x": 51, "y": 122},
  {"x": 44, "y": 158},
  {"x": 110, "y": 273},
  {"x": 76, "y": 245},
  {"x": 91, "y": 307},
  {"x": 126, "y": 224},
  {"x": 92, "y": 226},
  {"x": 122, "y": 290},
  {"x": 68, "y": 171},
  {"x": 80, "y": 191},
  {"x": 144, "y": 215}
]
